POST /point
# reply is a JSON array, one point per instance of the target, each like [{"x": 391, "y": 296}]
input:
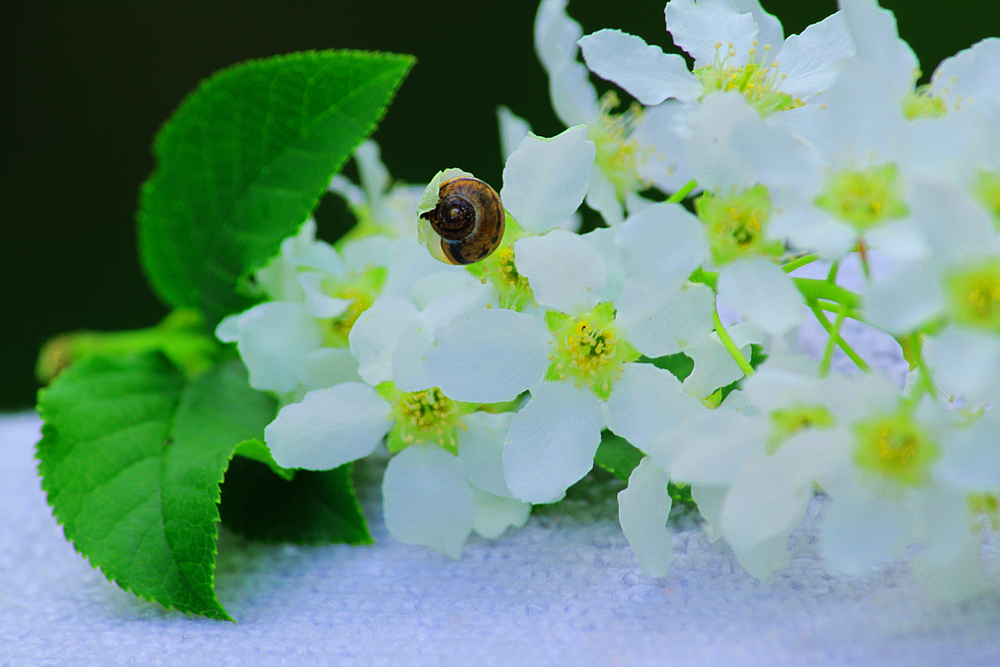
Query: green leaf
[
  {"x": 245, "y": 159},
  {"x": 617, "y": 455},
  {"x": 316, "y": 507},
  {"x": 131, "y": 459},
  {"x": 680, "y": 365},
  {"x": 258, "y": 451}
]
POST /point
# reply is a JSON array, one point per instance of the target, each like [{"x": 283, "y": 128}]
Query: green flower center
[
  {"x": 788, "y": 422},
  {"x": 618, "y": 154},
  {"x": 987, "y": 191},
  {"x": 737, "y": 223},
  {"x": 588, "y": 349},
  {"x": 423, "y": 416},
  {"x": 864, "y": 198},
  {"x": 985, "y": 505},
  {"x": 894, "y": 448},
  {"x": 361, "y": 291},
  {"x": 922, "y": 104},
  {"x": 512, "y": 289},
  {"x": 974, "y": 295},
  {"x": 758, "y": 83}
]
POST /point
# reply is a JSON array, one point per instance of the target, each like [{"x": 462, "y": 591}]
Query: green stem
[
  {"x": 831, "y": 277},
  {"x": 863, "y": 254},
  {"x": 813, "y": 289},
  {"x": 848, "y": 350},
  {"x": 730, "y": 346},
  {"x": 831, "y": 341},
  {"x": 926, "y": 380},
  {"x": 181, "y": 336},
  {"x": 849, "y": 313},
  {"x": 683, "y": 192},
  {"x": 799, "y": 262}
]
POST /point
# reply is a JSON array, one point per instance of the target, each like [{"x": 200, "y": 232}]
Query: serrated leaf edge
[
  {"x": 407, "y": 62},
  {"x": 48, "y": 431}
]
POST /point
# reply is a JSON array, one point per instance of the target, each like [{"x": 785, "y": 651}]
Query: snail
[{"x": 468, "y": 221}]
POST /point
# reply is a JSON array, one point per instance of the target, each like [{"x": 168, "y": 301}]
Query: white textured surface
[{"x": 565, "y": 590}]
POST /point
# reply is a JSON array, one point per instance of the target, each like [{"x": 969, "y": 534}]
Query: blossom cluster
[{"x": 720, "y": 189}]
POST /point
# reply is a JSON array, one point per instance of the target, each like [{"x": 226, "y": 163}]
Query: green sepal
[{"x": 244, "y": 160}]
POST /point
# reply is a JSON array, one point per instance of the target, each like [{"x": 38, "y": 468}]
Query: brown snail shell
[{"x": 468, "y": 219}]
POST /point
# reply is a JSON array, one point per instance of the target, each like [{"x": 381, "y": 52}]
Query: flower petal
[
  {"x": 329, "y": 427},
  {"x": 488, "y": 356},
  {"x": 495, "y": 514},
  {"x": 552, "y": 442},
  {"x": 659, "y": 322},
  {"x": 766, "y": 502},
  {"x": 810, "y": 62},
  {"x": 564, "y": 271},
  {"x": 647, "y": 403},
  {"x": 903, "y": 298},
  {"x": 644, "y": 71},
  {"x": 971, "y": 75},
  {"x": 228, "y": 330},
  {"x": 643, "y": 509},
  {"x": 662, "y": 244},
  {"x": 328, "y": 366},
  {"x": 427, "y": 500},
  {"x": 545, "y": 180},
  {"x": 876, "y": 41},
  {"x": 714, "y": 366},
  {"x": 480, "y": 450},
  {"x": 860, "y": 530},
  {"x": 408, "y": 359},
  {"x": 971, "y": 459},
  {"x": 573, "y": 97},
  {"x": 374, "y": 336},
  {"x": 709, "y": 499},
  {"x": 667, "y": 166},
  {"x": 513, "y": 130},
  {"x": 317, "y": 302},
  {"x": 710, "y": 450},
  {"x": 274, "y": 337},
  {"x": 699, "y": 29},
  {"x": 603, "y": 197},
  {"x": 966, "y": 363},
  {"x": 760, "y": 290}
]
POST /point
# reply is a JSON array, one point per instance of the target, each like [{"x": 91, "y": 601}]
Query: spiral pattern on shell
[{"x": 468, "y": 218}]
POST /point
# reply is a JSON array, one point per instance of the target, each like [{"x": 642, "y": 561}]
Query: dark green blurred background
[{"x": 87, "y": 85}]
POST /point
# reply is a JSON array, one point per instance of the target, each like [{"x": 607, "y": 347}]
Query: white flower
[
  {"x": 298, "y": 341},
  {"x": 635, "y": 149},
  {"x": 381, "y": 208},
  {"x": 447, "y": 477},
  {"x": 735, "y": 46},
  {"x": 892, "y": 492},
  {"x": 578, "y": 365},
  {"x": 456, "y": 448},
  {"x": 958, "y": 287},
  {"x": 759, "y": 463}
]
